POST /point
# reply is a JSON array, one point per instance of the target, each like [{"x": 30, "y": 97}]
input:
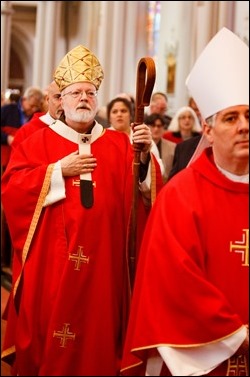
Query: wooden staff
[{"x": 144, "y": 87}]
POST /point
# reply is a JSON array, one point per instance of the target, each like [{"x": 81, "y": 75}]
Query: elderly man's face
[{"x": 79, "y": 102}]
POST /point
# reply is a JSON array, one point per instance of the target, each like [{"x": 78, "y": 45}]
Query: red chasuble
[
  {"x": 20, "y": 134},
  {"x": 70, "y": 276},
  {"x": 28, "y": 128},
  {"x": 192, "y": 284}
]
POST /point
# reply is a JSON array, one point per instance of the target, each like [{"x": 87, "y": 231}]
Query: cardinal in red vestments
[{"x": 67, "y": 196}]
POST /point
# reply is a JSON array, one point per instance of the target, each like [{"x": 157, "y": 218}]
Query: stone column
[
  {"x": 174, "y": 43},
  {"x": 52, "y": 22},
  {"x": 39, "y": 43},
  {"x": 122, "y": 27},
  {"x": 6, "y": 14},
  {"x": 47, "y": 30}
]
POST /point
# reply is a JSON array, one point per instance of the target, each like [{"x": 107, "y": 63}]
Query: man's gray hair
[{"x": 33, "y": 91}]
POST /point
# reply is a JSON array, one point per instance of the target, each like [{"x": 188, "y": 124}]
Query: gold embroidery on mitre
[
  {"x": 64, "y": 335},
  {"x": 79, "y": 258},
  {"x": 79, "y": 65},
  {"x": 242, "y": 247}
]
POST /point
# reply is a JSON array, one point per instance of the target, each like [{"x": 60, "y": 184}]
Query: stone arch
[{"x": 21, "y": 49}]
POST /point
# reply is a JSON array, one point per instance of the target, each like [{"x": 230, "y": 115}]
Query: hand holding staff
[{"x": 144, "y": 88}]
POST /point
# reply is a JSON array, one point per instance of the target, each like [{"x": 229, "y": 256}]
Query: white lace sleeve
[{"x": 57, "y": 186}]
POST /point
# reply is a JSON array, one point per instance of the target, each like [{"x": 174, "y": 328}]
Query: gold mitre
[{"x": 78, "y": 65}]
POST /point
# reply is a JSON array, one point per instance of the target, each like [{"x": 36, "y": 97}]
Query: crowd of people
[{"x": 68, "y": 193}]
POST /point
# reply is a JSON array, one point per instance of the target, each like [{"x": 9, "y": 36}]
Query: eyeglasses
[{"x": 78, "y": 93}]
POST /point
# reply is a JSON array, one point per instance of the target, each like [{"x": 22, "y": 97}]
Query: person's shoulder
[
  {"x": 28, "y": 132},
  {"x": 115, "y": 134},
  {"x": 184, "y": 176},
  {"x": 34, "y": 120},
  {"x": 119, "y": 138},
  {"x": 167, "y": 133},
  {"x": 196, "y": 133},
  {"x": 9, "y": 107},
  {"x": 168, "y": 142},
  {"x": 191, "y": 142},
  {"x": 38, "y": 115},
  {"x": 168, "y": 146}
]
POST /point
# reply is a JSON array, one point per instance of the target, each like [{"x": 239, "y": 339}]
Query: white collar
[
  {"x": 47, "y": 118},
  {"x": 68, "y": 133},
  {"x": 233, "y": 177}
]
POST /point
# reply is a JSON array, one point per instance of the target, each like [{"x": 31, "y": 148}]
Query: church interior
[{"x": 35, "y": 36}]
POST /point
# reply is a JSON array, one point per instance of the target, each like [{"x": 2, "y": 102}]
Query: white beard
[{"x": 83, "y": 116}]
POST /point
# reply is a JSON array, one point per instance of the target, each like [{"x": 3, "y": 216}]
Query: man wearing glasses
[{"x": 67, "y": 194}]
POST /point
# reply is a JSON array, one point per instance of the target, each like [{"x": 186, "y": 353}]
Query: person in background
[
  {"x": 101, "y": 116},
  {"x": 193, "y": 317},
  {"x": 67, "y": 195},
  {"x": 120, "y": 114},
  {"x": 166, "y": 148},
  {"x": 131, "y": 99},
  {"x": 185, "y": 149},
  {"x": 159, "y": 105},
  {"x": 40, "y": 120},
  {"x": 183, "y": 126},
  {"x": 193, "y": 105},
  {"x": 14, "y": 115},
  {"x": 183, "y": 154},
  {"x": 12, "y": 96}
]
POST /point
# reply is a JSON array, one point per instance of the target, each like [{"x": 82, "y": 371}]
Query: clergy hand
[
  {"x": 142, "y": 135},
  {"x": 76, "y": 164}
]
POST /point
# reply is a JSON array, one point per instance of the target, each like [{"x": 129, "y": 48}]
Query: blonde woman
[{"x": 184, "y": 125}]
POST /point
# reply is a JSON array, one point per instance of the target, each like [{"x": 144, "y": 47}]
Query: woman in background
[{"x": 184, "y": 125}]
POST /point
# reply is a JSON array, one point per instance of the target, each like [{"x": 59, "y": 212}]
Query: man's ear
[{"x": 207, "y": 130}]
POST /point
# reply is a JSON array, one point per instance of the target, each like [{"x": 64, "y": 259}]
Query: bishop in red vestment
[
  {"x": 192, "y": 284},
  {"x": 190, "y": 307}
]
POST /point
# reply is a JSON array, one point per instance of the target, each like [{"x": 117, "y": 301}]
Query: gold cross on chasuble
[
  {"x": 242, "y": 247},
  {"x": 64, "y": 335},
  {"x": 79, "y": 258}
]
